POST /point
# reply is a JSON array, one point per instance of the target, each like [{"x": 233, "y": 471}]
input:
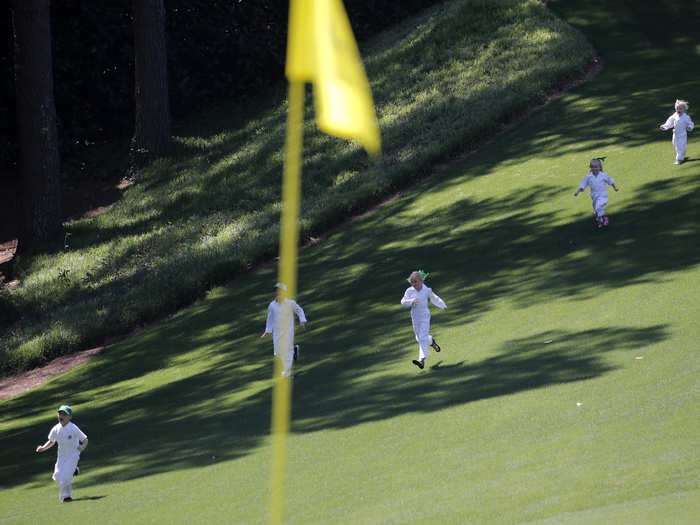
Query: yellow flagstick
[
  {"x": 289, "y": 235},
  {"x": 320, "y": 49}
]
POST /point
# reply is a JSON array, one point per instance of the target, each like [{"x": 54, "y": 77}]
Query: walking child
[
  {"x": 681, "y": 123},
  {"x": 286, "y": 353},
  {"x": 416, "y": 298},
  {"x": 71, "y": 442},
  {"x": 597, "y": 179}
]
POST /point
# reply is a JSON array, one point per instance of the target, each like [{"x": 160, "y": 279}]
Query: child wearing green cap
[
  {"x": 279, "y": 330},
  {"x": 71, "y": 442},
  {"x": 416, "y": 298}
]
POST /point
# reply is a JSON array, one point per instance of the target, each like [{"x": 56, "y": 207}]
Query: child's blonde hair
[
  {"x": 683, "y": 104},
  {"x": 415, "y": 275},
  {"x": 598, "y": 162}
]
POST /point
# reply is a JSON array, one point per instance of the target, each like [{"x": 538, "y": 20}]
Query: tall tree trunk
[
  {"x": 152, "y": 127},
  {"x": 39, "y": 161}
]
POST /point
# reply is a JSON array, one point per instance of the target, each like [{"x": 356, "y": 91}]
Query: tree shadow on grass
[
  {"x": 544, "y": 359},
  {"x": 209, "y": 417}
]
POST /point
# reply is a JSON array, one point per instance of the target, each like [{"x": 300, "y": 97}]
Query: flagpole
[{"x": 289, "y": 242}]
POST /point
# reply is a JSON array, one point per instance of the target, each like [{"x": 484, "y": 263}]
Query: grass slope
[
  {"x": 207, "y": 214},
  {"x": 566, "y": 391}
]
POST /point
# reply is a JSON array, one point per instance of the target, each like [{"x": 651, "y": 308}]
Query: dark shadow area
[
  {"x": 196, "y": 421},
  {"x": 88, "y": 498}
]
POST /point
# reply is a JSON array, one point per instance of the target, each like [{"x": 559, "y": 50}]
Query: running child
[
  {"x": 71, "y": 442},
  {"x": 597, "y": 179},
  {"x": 681, "y": 123},
  {"x": 274, "y": 311},
  {"x": 416, "y": 298}
]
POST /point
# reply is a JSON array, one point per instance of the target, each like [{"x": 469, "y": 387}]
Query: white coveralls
[
  {"x": 68, "y": 439},
  {"x": 681, "y": 125},
  {"x": 599, "y": 193},
  {"x": 420, "y": 315},
  {"x": 280, "y": 331}
]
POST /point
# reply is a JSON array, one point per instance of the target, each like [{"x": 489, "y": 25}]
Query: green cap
[{"x": 65, "y": 408}]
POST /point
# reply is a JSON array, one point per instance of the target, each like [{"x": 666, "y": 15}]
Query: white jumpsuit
[
  {"x": 68, "y": 439},
  {"x": 681, "y": 125},
  {"x": 420, "y": 315},
  {"x": 599, "y": 193},
  {"x": 283, "y": 331}
]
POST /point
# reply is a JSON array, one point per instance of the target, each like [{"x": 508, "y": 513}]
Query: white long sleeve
[
  {"x": 273, "y": 311},
  {"x": 681, "y": 125},
  {"x": 670, "y": 122},
  {"x": 435, "y": 299},
  {"x": 424, "y": 295}
]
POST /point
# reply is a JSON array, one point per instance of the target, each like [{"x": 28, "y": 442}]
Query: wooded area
[{"x": 119, "y": 69}]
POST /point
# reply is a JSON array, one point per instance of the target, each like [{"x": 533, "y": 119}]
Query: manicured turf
[{"x": 566, "y": 391}]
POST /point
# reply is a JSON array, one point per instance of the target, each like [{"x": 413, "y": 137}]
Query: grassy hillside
[{"x": 441, "y": 81}]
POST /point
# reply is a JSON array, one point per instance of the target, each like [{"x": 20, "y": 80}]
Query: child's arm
[
  {"x": 300, "y": 314},
  {"x": 268, "y": 323},
  {"x": 46, "y": 446},
  {"x": 83, "y": 444},
  {"x": 691, "y": 126},
  {"x": 407, "y": 300},
  {"x": 668, "y": 124},
  {"x": 435, "y": 299},
  {"x": 615, "y": 187},
  {"x": 582, "y": 186}
]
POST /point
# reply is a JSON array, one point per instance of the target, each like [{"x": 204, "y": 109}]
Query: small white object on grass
[
  {"x": 578, "y": 403},
  {"x": 639, "y": 357}
]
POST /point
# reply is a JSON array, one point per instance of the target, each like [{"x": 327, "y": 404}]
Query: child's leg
[
  {"x": 599, "y": 206},
  {"x": 680, "y": 144},
  {"x": 64, "y": 489},
  {"x": 423, "y": 337},
  {"x": 288, "y": 362}
]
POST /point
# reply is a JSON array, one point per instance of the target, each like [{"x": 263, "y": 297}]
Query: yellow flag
[{"x": 321, "y": 49}]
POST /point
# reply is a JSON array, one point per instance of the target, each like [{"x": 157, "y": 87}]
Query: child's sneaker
[
  {"x": 435, "y": 345},
  {"x": 296, "y": 352},
  {"x": 67, "y": 499},
  {"x": 606, "y": 220},
  {"x": 77, "y": 471},
  {"x": 419, "y": 363}
]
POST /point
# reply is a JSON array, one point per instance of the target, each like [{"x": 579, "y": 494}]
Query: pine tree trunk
[
  {"x": 39, "y": 161},
  {"x": 152, "y": 127}
]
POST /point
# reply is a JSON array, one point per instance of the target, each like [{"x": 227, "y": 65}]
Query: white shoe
[
  {"x": 677, "y": 162},
  {"x": 296, "y": 352}
]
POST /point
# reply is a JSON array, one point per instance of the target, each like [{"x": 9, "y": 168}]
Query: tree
[
  {"x": 39, "y": 160},
  {"x": 152, "y": 127}
]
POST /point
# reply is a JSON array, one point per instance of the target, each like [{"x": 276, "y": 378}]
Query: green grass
[
  {"x": 566, "y": 391},
  {"x": 207, "y": 214}
]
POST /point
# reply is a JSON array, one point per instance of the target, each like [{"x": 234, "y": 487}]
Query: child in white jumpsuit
[
  {"x": 71, "y": 442},
  {"x": 596, "y": 180},
  {"x": 290, "y": 352},
  {"x": 416, "y": 298},
  {"x": 681, "y": 124}
]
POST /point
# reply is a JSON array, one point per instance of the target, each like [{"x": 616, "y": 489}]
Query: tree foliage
[{"x": 216, "y": 49}]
